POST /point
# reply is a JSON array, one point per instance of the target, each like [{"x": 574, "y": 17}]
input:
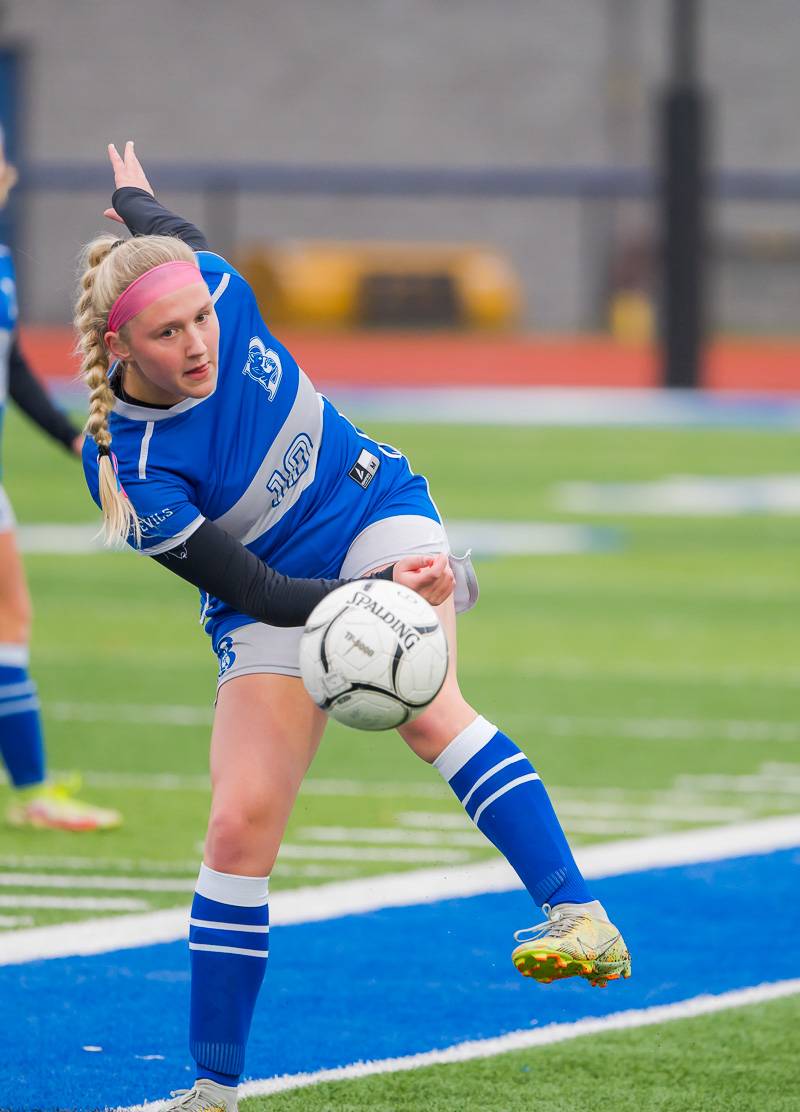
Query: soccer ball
[{"x": 373, "y": 654}]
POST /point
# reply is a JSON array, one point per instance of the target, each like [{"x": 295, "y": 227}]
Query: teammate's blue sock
[
  {"x": 21, "y": 741},
  {"x": 228, "y": 944},
  {"x": 508, "y": 803}
]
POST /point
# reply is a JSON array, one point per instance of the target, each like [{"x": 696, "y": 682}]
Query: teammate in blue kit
[
  {"x": 36, "y": 801},
  {"x": 213, "y": 454}
]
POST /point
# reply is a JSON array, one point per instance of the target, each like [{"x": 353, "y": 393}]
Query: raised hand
[
  {"x": 127, "y": 171},
  {"x": 430, "y": 576}
]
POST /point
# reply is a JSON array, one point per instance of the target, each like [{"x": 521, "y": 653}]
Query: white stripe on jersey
[
  {"x": 148, "y": 432},
  {"x": 220, "y": 290},
  {"x": 288, "y": 468}
]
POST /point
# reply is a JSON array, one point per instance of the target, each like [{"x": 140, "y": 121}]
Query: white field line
[
  {"x": 72, "y": 862},
  {"x": 641, "y": 729},
  {"x": 779, "y": 784},
  {"x": 15, "y": 921},
  {"x": 629, "y": 671},
  {"x": 69, "y": 903},
  {"x": 190, "y": 868},
  {"x": 101, "y": 883},
  {"x": 486, "y": 538},
  {"x": 294, "y": 850},
  {"x": 354, "y": 897},
  {"x": 518, "y": 1040},
  {"x": 177, "y": 781},
  {"x": 613, "y": 826},
  {"x": 392, "y": 835},
  {"x": 526, "y": 1039}
]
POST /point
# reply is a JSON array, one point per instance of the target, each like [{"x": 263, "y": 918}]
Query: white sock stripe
[
  {"x": 248, "y": 928},
  {"x": 15, "y": 656},
  {"x": 464, "y": 746},
  {"x": 502, "y": 791},
  {"x": 229, "y": 950},
  {"x": 488, "y": 775},
  {"x": 228, "y": 888},
  {"x": 18, "y": 706},
  {"x": 14, "y": 690}
]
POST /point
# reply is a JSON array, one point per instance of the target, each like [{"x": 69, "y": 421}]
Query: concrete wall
[{"x": 459, "y": 82}]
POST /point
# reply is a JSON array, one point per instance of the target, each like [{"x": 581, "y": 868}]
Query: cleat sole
[{"x": 546, "y": 966}]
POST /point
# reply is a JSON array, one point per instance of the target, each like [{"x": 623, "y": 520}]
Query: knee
[
  {"x": 436, "y": 727},
  {"x": 239, "y": 836}
]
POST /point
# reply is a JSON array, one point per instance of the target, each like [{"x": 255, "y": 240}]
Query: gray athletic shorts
[
  {"x": 7, "y": 520},
  {"x": 257, "y": 647}
]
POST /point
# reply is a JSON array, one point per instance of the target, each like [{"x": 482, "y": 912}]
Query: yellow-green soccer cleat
[
  {"x": 206, "y": 1096},
  {"x": 53, "y": 806},
  {"x": 577, "y": 940}
]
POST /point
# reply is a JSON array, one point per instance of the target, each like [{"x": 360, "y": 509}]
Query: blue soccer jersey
[
  {"x": 8, "y": 323},
  {"x": 265, "y": 457}
]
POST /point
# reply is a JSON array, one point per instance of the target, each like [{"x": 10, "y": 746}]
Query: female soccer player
[
  {"x": 36, "y": 801},
  {"x": 214, "y": 455}
]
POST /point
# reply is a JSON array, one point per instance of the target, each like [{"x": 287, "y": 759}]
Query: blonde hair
[{"x": 109, "y": 266}]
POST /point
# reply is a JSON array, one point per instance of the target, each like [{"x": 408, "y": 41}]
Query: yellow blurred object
[
  {"x": 631, "y": 317},
  {"x": 331, "y": 283}
]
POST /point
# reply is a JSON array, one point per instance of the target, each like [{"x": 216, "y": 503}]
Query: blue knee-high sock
[
  {"x": 228, "y": 944},
  {"x": 21, "y": 740},
  {"x": 507, "y": 801}
]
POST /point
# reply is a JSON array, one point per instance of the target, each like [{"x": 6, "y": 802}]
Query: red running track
[{"x": 438, "y": 359}]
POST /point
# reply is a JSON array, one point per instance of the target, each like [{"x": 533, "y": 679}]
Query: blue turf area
[{"x": 385, "y": 984}]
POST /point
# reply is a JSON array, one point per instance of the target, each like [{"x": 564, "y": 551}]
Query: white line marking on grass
[
  {"x": 68, "y": 903},
  {"x": 138, "y": 713},
  {"x": 684, "y": 495},
  {"x": 779, "y": 784},
  {"x": 16, "y": 921},
  {"x": 388, "y": 835},
  {"x": 177, "y": 781},
  {"x": 523, "y": 1040},
  {"x": 103, "y": 883},
  {"x": 354, "y": 897},
  {"x": 518, "y": 1040},
  {"x": 611, "y": 826},
  {"x": 485, "y": 538},
  {"x": 562, "y": 725},
  {"x": 370, "y": 853},
  {"x": 121, "y": 864}
]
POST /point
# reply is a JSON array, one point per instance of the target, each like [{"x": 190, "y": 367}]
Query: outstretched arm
[
  {"x": 215, "y": 562},
  {"x": 34, "y": 401},
  {"x": 134, "y": 204}
]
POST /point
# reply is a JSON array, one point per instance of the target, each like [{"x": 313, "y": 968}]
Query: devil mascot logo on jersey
[{"x": 263, "y": 366}]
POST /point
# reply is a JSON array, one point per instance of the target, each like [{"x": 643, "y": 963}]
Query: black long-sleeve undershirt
[
  {"x": 212, "y": 559},
  {"x": 215, "y": 562},
  {"x": 27, "y": 392},
  {"x": 145, "y": 216}
]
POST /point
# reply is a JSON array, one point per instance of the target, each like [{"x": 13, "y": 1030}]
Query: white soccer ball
[{"x": 373, "y": 654}]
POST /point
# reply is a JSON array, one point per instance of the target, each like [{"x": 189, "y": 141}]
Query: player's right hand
[
  {"x": 127, "y": 171},
  {"x": 430, "y": 576}
]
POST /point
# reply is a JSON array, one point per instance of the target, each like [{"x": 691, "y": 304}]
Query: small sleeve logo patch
[{"x": 364, "y": 469}]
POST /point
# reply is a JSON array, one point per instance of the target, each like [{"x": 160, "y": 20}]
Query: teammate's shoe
[
  {"x": 206, "y": 1096},
  {"x": 53, "y": 806},
  {"x": 577, "y": 940}
]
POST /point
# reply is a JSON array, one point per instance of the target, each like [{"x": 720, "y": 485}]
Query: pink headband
[{"x": 154, "y": 283}]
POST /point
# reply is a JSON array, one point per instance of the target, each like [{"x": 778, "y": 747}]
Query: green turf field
[
  {"x": 740, "y": 1061},
  {"x": 654, "y": 684}
]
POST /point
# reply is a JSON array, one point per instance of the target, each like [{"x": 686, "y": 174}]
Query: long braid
[
  {"x": 119, "y": 515},
  {"x": 108, "y": 267}
]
